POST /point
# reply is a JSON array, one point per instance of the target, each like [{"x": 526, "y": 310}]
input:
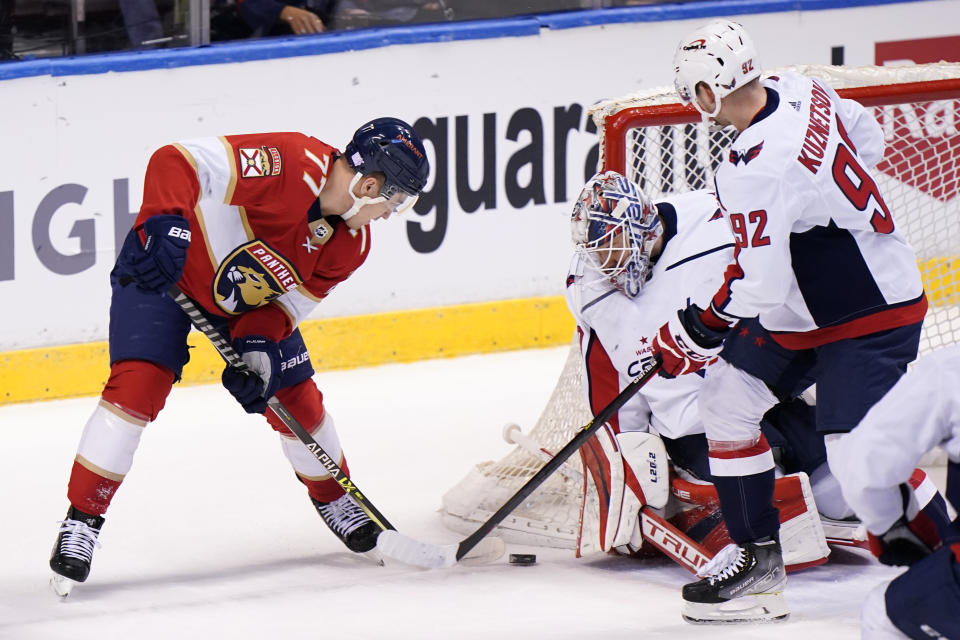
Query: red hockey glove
[{"x": 686, "y": 344}]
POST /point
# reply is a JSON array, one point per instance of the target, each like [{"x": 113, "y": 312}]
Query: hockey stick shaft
[
  {"x": 232, "y": 358},
  {"x": 584, "y": 434}
]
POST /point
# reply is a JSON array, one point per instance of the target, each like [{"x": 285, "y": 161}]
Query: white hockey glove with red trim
[{"x": 686, "y": 344}]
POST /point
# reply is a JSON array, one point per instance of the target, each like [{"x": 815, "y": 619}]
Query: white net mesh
[{"x": 920, "y": 180}]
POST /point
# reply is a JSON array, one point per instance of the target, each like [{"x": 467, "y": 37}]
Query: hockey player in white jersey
[
  {"x": 920, "y": 412},
  {"x": 819, "y": 261},
  {"x": 634, "y": 262}
]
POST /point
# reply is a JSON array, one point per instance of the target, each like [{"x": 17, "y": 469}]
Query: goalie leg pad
[
  {"x": 604, "y": 494},
  {"x": 646, "y": 457},
  {"x": 622, "y": 473},
  {"x": 802, "y": 537},
  {"x": 801, "y": 532}
]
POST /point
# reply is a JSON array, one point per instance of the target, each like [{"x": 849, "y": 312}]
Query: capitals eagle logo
[{"x": 746, "y": 156}]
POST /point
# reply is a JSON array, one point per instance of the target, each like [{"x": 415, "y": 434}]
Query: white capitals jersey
[
  {"x": 920, "y": 412},
  {"x": 616, "y": 331},
  {"x": 819, "y": 257}
]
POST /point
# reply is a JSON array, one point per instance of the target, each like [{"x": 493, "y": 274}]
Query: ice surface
[{"x": 211, "y": 536}]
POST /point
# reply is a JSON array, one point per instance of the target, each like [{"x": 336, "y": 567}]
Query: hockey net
[{"x": 663, "y": 147}]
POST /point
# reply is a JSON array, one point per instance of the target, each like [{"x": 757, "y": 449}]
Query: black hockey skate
[
  {"x": 73, "y": 551},
  {"x": 741, "y": 584},
  {"x": 349, "y": 522}
]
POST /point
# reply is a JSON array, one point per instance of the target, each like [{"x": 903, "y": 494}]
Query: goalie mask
[
  {"x": 616, "y": 227},
  {"x": 720, "y": 55}
]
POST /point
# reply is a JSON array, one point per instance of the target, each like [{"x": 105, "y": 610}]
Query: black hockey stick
[
  {"x": 409, "y": 550},
  {"x": 232, "y": 358}
]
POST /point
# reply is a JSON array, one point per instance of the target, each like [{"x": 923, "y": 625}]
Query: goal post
[{"x": 665, "y": 148}]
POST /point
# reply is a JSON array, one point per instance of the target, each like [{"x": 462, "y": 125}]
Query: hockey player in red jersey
[
  {"x": 819, "y": 263},
  {"x": 256, "y": 229}
]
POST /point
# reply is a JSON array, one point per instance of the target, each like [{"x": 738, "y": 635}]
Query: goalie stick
[{"x": 406, "y": 549}]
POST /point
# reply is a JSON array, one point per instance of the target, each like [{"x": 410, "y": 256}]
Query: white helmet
[
  {"x": 615, "y": 226},
  {"x": 721, "y": 55}
]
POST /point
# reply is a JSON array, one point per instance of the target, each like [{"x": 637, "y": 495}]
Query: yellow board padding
[
  {"x": 335, "y": 343},
  {"x": 359, "y": 341},
  {"x": 940, "y": 278}
]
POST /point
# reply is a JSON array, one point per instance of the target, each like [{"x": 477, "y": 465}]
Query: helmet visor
[{"x": 396, "y": 198}]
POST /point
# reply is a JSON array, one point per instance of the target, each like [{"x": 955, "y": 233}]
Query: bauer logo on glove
[{"x": 153, "y": 255}]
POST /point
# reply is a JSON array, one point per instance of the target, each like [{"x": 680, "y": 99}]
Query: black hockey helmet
[{"x": 392, "y": 147}]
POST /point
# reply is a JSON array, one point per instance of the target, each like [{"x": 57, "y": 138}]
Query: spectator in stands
[
  {"x": 363, "y": 13},
  {"x": 231, "y": 20}
]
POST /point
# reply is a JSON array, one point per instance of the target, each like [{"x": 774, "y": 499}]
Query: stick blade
[
  {"x": 396, "y": 546},
  {"x": 486, "y": 551}
]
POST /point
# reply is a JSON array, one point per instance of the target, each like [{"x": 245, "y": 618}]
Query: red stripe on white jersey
[
  {"x": 742, "y": 462},
  {"x": 873, "y": 323},
  {"x": 602, "y": 378}
]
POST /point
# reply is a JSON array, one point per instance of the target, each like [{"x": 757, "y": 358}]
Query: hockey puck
[{"x": 523, "y": 558}]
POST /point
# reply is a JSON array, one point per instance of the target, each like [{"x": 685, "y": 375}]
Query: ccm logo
[{"x": 177, "y": 232}]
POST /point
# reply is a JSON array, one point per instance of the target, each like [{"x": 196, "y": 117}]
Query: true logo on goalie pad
[{"x": 677, "y": 548}]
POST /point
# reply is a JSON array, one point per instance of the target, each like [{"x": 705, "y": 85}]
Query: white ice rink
[{"x": 212, "y": 537}]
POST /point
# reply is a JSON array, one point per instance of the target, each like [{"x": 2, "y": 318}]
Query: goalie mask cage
[{"x": 663, "y": 147}]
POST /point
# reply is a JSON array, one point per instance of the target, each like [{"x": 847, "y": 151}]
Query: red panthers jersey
[{"x": 251, "y": 257}]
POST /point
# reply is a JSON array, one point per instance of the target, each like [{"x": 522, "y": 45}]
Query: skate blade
[
  {"x": 61, "y": 585},
  {"x": 396, "y": 546},
  {"x": 761, "y": 607}
]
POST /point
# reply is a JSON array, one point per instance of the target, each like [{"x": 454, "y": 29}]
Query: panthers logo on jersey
[
  {"x": 259, "y": 162},
  {"x": 252, "y": 276}
]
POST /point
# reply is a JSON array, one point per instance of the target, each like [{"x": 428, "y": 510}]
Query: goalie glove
[
  {"x": 259, "y": 382},
  {"x": 157, "y": 263},
  {"x": 686, "y": 344}
]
